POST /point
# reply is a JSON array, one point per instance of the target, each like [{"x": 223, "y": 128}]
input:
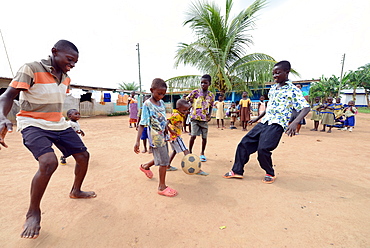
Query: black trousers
[{"x": 263, "y": 138}]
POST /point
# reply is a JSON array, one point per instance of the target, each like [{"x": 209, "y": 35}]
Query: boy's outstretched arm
[
  {"x": 257, "y": 118},
  {"x": 293, "y": 126},
  {"x": 137, "y": 143},
  {"x": 6, "y": 103}
]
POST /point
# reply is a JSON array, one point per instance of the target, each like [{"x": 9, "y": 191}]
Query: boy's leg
[
  {"x": 329, "y": 131},
  {"x": 48, "y": 163},
  {"x": 172, "y": 156},
  {"x": 147, "y": 166},
  {"x": 323, "y": 128},
  {"x": 204, "y": 144},
  {"x": 194, "y": 131},
  {"x": 82, "y": 162},
  {"x": 247, "y": 146},
  {"x": 298, "y": 128},
  {"x": 144, "y": 144},
  {"x": 218, "y": 123},
  {"x": 269, "y": 140},
  {"x": 162, "y": 178},
  {"x": 191, "y": 143}
]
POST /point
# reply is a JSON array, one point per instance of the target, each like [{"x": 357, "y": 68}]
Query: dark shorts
[
  {"x": 40, "y": 141},
  {"x": 144, "y": 134}
]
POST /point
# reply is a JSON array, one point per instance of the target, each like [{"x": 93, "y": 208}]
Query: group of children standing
[
  {"x": 333, "y": 114},
  {"x": 243, "y": 110}
]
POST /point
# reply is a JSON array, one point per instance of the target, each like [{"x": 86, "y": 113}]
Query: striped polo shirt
[{"x": 42, "y": 96}]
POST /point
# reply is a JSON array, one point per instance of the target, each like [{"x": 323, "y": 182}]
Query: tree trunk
[
  {"x": 367, "y": 98},
  {"x": 354, "y": 94}
]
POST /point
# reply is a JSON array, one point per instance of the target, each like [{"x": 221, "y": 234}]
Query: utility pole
[
  {"x": 138, "y": 59},
  {"x": 6, "y": 53},
  {"x": 341, "y": 74}
]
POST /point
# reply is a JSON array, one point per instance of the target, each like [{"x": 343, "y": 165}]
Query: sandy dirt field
[{"x": 320, "y": 198}]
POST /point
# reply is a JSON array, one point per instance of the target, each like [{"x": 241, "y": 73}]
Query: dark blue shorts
[
  {"x": 40, "y": 141},
  {"x": 350, "y": 121},
  {"x": 144, "y": 135}
]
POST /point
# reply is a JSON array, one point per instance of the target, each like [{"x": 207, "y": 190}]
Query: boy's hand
[
  {"x": 252, "y": 121},
  {"x": 291, "y": 129},
  {"x": 208, "y": 118},
  {"x": 137, "y": 148},
  {"x": 5, "y": 127},
  {"x": 82, "y": 133},
  {"x": 3, "y": 132}
]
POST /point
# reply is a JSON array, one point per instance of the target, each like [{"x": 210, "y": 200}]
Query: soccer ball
[{"x": 191, "y": 164}]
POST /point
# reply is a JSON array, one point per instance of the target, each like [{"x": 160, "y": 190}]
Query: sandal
[
  {"x": 202, "y": 158},
  {"x": 202, "y": 173},
  {"x": 171, "y": 168},
  {"x": 148, "y": 173},
  {"x": 269, "y": 179},
  {"x": 168, "y": 192},
  {"x": 231, "y": 174}
]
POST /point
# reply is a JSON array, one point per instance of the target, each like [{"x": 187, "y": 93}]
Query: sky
[{"x": 312, "y": 34}]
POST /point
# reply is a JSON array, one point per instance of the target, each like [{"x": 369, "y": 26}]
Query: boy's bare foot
[
  {"x": 82, "y": 194},
  {"x": 31, "y": 227},
  {"x": 144, "y": 151}
]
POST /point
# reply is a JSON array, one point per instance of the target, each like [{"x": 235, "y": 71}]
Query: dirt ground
[{"x": 320, "y": 197}]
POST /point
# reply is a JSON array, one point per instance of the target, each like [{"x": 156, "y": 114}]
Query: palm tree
[
  {"x": 365, "y": 70},
  {"x": 220, "y": 48},
  {"x": 325, "y": 87},
  {"x": 128, "y": 86}
]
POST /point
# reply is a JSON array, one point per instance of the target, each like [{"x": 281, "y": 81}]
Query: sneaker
[
  {"x": 231, "y": 174},
  {"x": 171, "y": 168},
  {"x": 344, "y": 129},
  {"x": 63, "y": 160},
  {"x": 269, "y": 179},
  {"x": 350, "y": 129}
]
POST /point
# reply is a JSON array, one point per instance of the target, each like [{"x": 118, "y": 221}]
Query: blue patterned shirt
[
  {"x": 154, "y": 117},
  {"x": 281, "y": 103}
]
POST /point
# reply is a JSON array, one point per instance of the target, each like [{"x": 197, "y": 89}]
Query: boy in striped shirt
[{"x": 42, "y": 88}]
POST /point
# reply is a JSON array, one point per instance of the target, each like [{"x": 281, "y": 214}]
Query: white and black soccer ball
[{"x": 191, "y": 164}]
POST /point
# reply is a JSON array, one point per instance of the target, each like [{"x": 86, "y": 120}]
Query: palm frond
[{"x": 182, "y": 83}]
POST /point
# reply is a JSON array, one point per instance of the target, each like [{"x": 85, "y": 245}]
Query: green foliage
[
  {"x": 358, "y": 78},
  {"x": 326, "y": 87},
  {"x": 220, "y": 49},
  {"x": 128, "y": 86}
]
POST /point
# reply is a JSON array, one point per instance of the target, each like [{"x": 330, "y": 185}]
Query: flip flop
[
  {"x": 93, "y": 195},
  {"x": 203, "y": 158},
  {"x": 231, "y": 174},
  {"x": 168, "y": 192},
  {"x": 148, "y": 173},
  {"x": 172, "y": 168},
  {"x": 268, "y": 179},
  {"x": 202, "y": 173}
]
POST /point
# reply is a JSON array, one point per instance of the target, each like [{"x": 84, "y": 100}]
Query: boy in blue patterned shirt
[
  {"x": 153, "y": 116},
  {"x": 266, "y": 135}
]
